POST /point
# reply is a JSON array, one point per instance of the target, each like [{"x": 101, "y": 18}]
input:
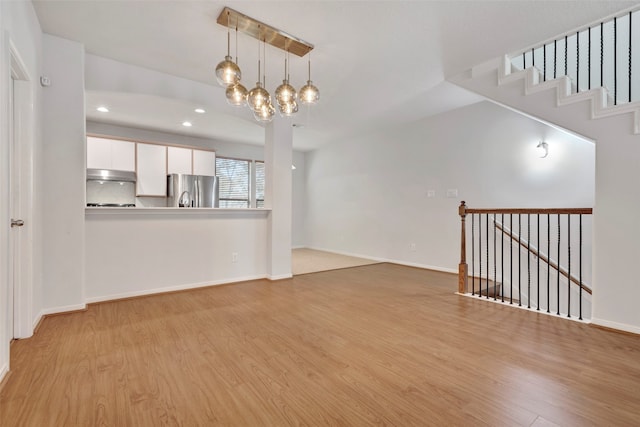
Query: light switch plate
[{"x": 452, "y": 192}]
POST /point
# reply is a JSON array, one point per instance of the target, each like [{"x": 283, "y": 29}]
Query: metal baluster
[
  {"x": 544, "y": 62},
  {"x": 480, "y": 255},
  {"x": 528, "y": 260},
  {"x": 602, "y": 54},
  {"x": 538, "y": 270},
  {"x": 524, "y": 61},
  {"x": 629, "y": 56},
  {"x": 511, "y": 260},
  {"x": 569, "y": 265},
  {"x": 495, "y": 270},
  {"x": 558, "y": 281},
  {"x": 473, "y": 254},
  {"x": 615, "y": 61},
  {"x": 580, "y": 267},
  {"x": 533, "y": 58},
  {"x": 555, "y": 58},
  {"x": 519, "y": 261},
  {"x": 487, "y": 249},
  {"x": 566, "y": 49},
  {"x": 577, "y": 61},
  {"x": 502, "y": 260},
  {"x": 548, "y": 262}
]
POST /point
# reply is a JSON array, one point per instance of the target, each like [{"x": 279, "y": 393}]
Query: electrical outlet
[
  {"x": 431, "y": 194},
  {"x": 412, "y": 247},
  {"x": 234, "y": 257},
  {"x": 452, "y": 192}
]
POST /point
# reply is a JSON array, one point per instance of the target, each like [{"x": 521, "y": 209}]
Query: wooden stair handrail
[
  {"x": 463, "y": 210},
  {"x": 542, "y": 211},
  {"x": 543, "y": 257}
]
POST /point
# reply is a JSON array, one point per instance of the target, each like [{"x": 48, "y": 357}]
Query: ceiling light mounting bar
[{"x": 261, "y": 31}]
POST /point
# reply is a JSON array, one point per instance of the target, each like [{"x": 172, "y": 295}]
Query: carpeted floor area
[{"x": 306, "y": 260}]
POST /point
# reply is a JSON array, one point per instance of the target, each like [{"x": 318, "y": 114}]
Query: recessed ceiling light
[
  {"x": 103, "y": 109},
  {"x": 199, "y": 111},
  {"x": 187, "y": 124}
]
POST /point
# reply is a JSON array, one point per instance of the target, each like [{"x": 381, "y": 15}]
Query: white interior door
[
  {"x": 20, "y": 300},
  {"x": 13, "y": 232}
]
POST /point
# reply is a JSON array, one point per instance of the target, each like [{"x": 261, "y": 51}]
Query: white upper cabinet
[
  {"x": 151, "y": 162},
  {"x": 152, "y": 170},
  {"x": 204, "y": 162},
  {"x": 103, "y": 153},
  {"x": 179, "y": 160}
]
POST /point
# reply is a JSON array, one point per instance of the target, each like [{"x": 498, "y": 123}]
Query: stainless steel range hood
[{"x": 110, "y": 175}]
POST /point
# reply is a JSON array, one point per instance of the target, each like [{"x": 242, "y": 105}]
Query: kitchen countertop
[{"x": 176, "y": 211}]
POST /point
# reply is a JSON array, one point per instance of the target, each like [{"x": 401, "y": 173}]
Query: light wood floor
[
  {"x": 380, "y": 344},
  {"x": 305, "y": 260}
]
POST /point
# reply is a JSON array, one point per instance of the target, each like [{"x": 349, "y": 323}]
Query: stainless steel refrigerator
[{"x": 192, "y": 191}]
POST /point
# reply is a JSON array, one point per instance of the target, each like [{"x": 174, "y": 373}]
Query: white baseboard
[
  {"x": 562, "y": 316},
  {"x": 37, "y": 320},
  {"x": 61, "y": 309},
  {"x": 389, "y": 260},
  {"x": 171, "y": 289},
  {"x": 615, "y": 325},
  {"x": 280, "y": 277}
]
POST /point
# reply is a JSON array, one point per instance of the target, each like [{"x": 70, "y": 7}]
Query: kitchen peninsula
[{"x": 139, "y": 251}]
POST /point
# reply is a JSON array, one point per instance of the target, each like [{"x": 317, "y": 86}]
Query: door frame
[{"x": 21, "y": 153}]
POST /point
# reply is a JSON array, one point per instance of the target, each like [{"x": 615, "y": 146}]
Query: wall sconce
[{"x": 543, "y": 149}]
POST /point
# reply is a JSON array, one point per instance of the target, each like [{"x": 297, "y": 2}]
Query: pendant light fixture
[
  {"x": 265, "y": 111},
  {"x": 288, "y": 110},
  {"x": 227, "y": 72},
  {"x": 309, "y": 94},
  {"x": 236, "y": 94},
  {"x": 286, "y": 94},
  {"x": 258, "y": 96},
  {"x": 258, "y": 99}
]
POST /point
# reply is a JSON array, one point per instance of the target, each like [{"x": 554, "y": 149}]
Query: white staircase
[
  {"x": 524, "y": 91},
  {"x": 551, "y": 101},
  {"x": 615, "y": 130}
]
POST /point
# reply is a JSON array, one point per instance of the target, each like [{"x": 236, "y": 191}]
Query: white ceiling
[{"x": 376, "y": 63}]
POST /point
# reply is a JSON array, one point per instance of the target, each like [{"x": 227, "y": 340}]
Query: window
[
  {"x": 259, "y": 184},
  {"x": 237, "y": 178},
  {"x": 234, "y": 177}
]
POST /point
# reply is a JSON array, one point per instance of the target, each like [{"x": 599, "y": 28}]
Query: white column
[
  {"x": 278, "y": 188},
  {"x": 64, "y": 175}
]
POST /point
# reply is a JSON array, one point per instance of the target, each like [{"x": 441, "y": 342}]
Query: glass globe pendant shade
[
  {"x": 228, "y": 73},
  {"x": 285, "y": 93},
  {"x": 289, "y": 109},
  {"x": 309, "y": 94},
  {"x": 236, "y": 95},
  {"x": 265, "y": 113},
  {"x": 257, "y": 97}
]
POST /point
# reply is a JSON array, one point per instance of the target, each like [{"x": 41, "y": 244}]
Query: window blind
[
  {"x": 260, "y": 182},
  {"x": 234, "y": 177}
]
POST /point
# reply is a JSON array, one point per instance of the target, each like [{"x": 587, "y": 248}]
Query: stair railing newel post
[{"x": 463, "y": 276}]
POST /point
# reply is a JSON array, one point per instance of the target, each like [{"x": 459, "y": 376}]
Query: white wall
[
  {"x": 369, "y": 195},
  {"x": 19, "y": 26},
  {"x": 64, "y": 174},
  {"x": 129, "y": 254}
]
